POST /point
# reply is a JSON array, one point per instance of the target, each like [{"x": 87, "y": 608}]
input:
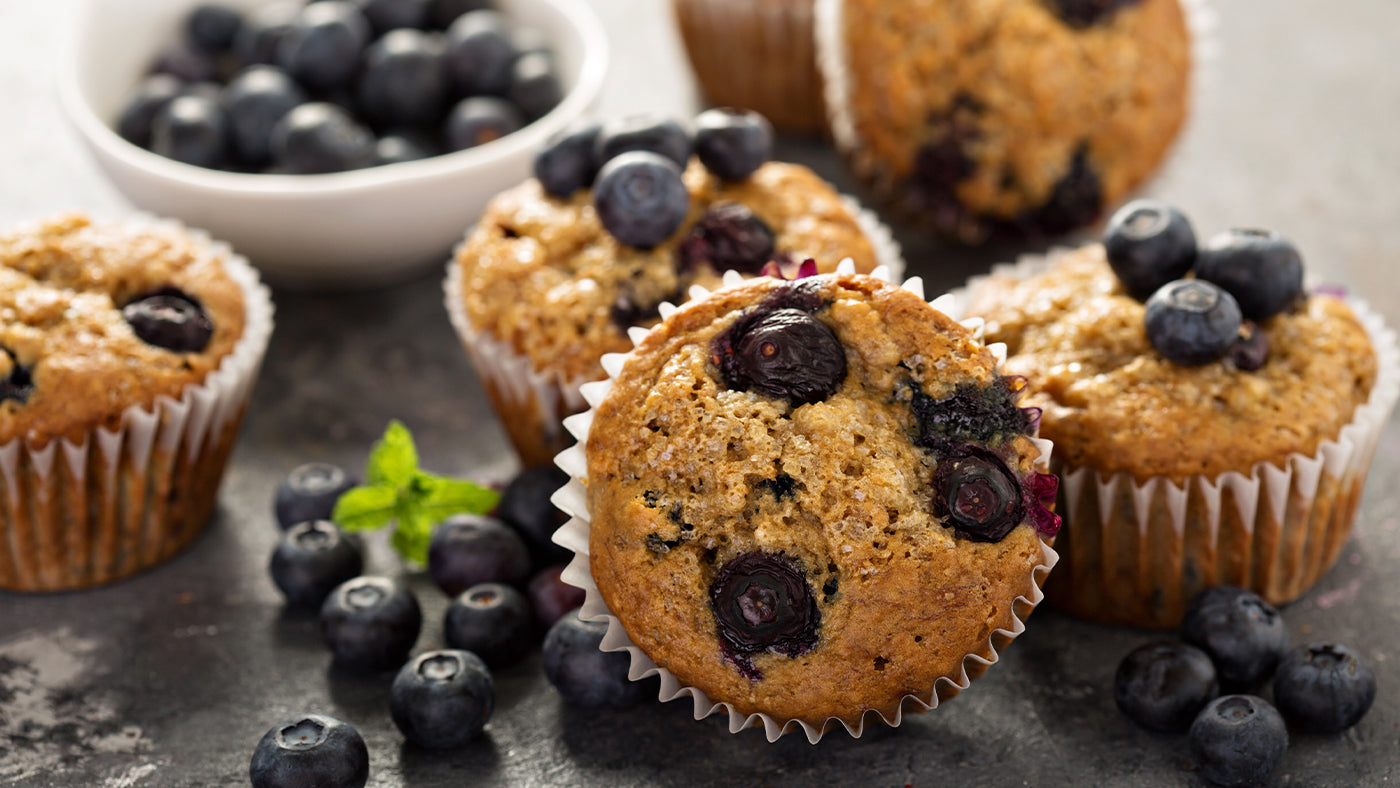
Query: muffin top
[
  {"x": 1012, "y": 117},
  {"x": 814, "y": 498},
  {"x": 543, "y": 275},
  {"x": 1113, "y": 403},
  {"x": 99, "y": 317}
]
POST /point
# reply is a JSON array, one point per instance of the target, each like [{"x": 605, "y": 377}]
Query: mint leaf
[
  {"x": 366, "y": 507},
  {"x": 414, "y": 530},
  {"x": 443, "y": 497},
  {"x": 394, "y": 458}
]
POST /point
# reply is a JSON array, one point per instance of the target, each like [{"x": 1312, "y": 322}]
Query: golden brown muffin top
[
  {"x": 1112, "y": 403},
  {"x": 541, "y": 273},
  {"x": 687, "y": 477},
  {"x": 63, "y": 284}
]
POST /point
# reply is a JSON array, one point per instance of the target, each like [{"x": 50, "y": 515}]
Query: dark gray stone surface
[{"x": 168, "y": 679}]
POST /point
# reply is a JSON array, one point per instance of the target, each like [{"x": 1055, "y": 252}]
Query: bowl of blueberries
[{"x": 337, "y": 143}]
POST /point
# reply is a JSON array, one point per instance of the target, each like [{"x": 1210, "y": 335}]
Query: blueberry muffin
[
  {"x": 1011, "y": 118},
  {"x": 129, "y": 349},
  {"x": 1209, "y": 428},
  {"x": 816, "y": 498},
  {"x": 552, "y": 276}
]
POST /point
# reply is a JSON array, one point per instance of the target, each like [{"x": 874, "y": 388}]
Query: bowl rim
[{"x": 576, "y": 103}]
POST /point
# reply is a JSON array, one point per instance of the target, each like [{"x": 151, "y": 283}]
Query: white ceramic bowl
[{"x": 339, "y": 230}]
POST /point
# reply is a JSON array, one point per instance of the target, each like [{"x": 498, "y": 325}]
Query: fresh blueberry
[
  {"x": 525, "y": 506},
  {"x": 1148, "y": 244},
  {"x": 170, "y": 319},
  {"x": 442, "y": 699},
  {"x": 1238, "y": 740},
  {"x": 442, "y": 13},
  {"x": 480, "y": 54},
  {"x": 309, "y": 493},
  {"x": 534, "y": 85},
  {"x": 569, "y": 161},
  {"x": 395, "y": 148},
  {"x": 1251, "y": 350},
  {"x": 322, "y": 50},
  {"x": 1162, "y": 686},
  {"x": 1261, "y": 269},
  {"x": 212, "y": 27},
  {"x": 260, "y": 38},
  {"x": 191, "y": 129},
  {"x": 468, "y": 549},
  {"x": 1323, "y": 687},
  {"x": 181, "y": 60},
  {"x": 1192, "y": 322},
  {"x": 310, "y": 751},
  {"x": 728, "y": 236},
  {"x": 18, "y": 382},
  {"x": 645, "y": 132},
  {"x": 311, "y": 559},
  {"x": 1243, "y": 634},
  {"x": 143, "y": 103},
  {"x": 733, "y": 143},
  {"x": 254, "y": 102},
  {"x": 386, "y": 15},
  {"x": 977, "y": 495},
  {"x": 403, "y": 82},
  {"x": 763, "y": 602},
  {"x": 640, "y": 198},
  {"x": 492, "y": 621},
  {"x": 550, "y": 597},
  {"x": 1085, "y": 13},
  {"x": 478, "y": 120},
  {"x": 320, "y": 137},
  {"x": 584, "y": 675},
  {"x": 370, "y": 623},
  {"x": 785, "y": 354}
]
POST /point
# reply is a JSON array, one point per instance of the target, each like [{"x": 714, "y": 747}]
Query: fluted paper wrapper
[
  {"x": 86, "y": 513},
  {"x": 532, "y": 403},
  {"x": 574, "y": 535},
  {"x": 1135, "y": 552}
]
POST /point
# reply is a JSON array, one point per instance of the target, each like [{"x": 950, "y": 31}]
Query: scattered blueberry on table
[
  {"x": 442, "y": 699},
  {"x": 311, "y": 750}
]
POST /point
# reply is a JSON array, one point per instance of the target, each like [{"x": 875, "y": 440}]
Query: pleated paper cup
[
  {"x": 78, "y": 514},
  {"x": 532, "y": 402},
  {"x": 574, "y": 535},
  {"x": 1135, "y": 551}
]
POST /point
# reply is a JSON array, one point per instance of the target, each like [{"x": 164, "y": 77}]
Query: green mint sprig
[{"x": 396, "y": 490}]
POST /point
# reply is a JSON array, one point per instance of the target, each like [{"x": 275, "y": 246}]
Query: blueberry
[
  {"x": 970, "y": 414},
  {"x": 525, "y": 506},
  {"x": 584, "y": 675},
  {"x": 977, "y": 495},
  {"x": 395, "y": 148},
  {"x": 442, "y": 13},
  {"x": 311, "y": 559},
  {"x": 18, "y": 382},
  {"x": 534, "y": 85},
  {"x": 478, "y": 120},
  {"x": 645, "y": 132},
  {"x": 370, "y": 623},
  {"x": 763, "y": 602},
  {"x": 309, "y": 492},
  {"x": 170, "y": 319},
  {"x": 1238, "y": 740},
  {"x": 386, "y": 15},
  {"x": 1162, "y": 686},
  {"x": 1243, "y": 634},
  {"x": 148, "y": 98},
  {"x": 1323, "y": 687},
  {"x": 310, "y": 751},
  {"x": 181, "y": 60},
  {"x": 1074, "y": 201},
  {"x": 1149, "y": 244},
  {"x": 480, "y": 53},
  {"x": 468, "y": 549},
  {"x": 728, "y": 236},
  {"x": 403, "y": 82},
  {"x": 569, "y": 161},
  {"x": 785, "y": 354},
  {"x": 319, "y": 137},
  {"x": 322, "y": 50},
  {"x": 1084, "y": 13},
  {"x": 550, "y": 597},
  {"x": 640, "y": 198},
  {"x": 212, "y": 27},
  {"x": 1251, "y": 349},
  {"x": 191, "y": 129},
  {"x": 1192, "y": 322},
  {"x": 442, "y": 699},
  {"x": 260, "y": 38},
  {"x": 492, "y": 621},
  {"x": 254, "y": 102},
  {"x": 733, "y": 143},
  {"x": 1261, "y": 269}
]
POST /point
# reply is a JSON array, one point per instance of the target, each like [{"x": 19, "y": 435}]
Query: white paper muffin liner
[
  {"x": 574, "y": 535},
  {"x": 1136, "y": 552},
  {"x": 81, "y": 514},
  {"x": 531, "y": 402}
]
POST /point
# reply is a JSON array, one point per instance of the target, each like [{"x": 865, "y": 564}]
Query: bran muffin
[
  {"x": 130, "y": 348},
  {"x": 1012, "y": 118},
  {"x": 1177, "y": 478},
  {"x": 813, "y": 499}
]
